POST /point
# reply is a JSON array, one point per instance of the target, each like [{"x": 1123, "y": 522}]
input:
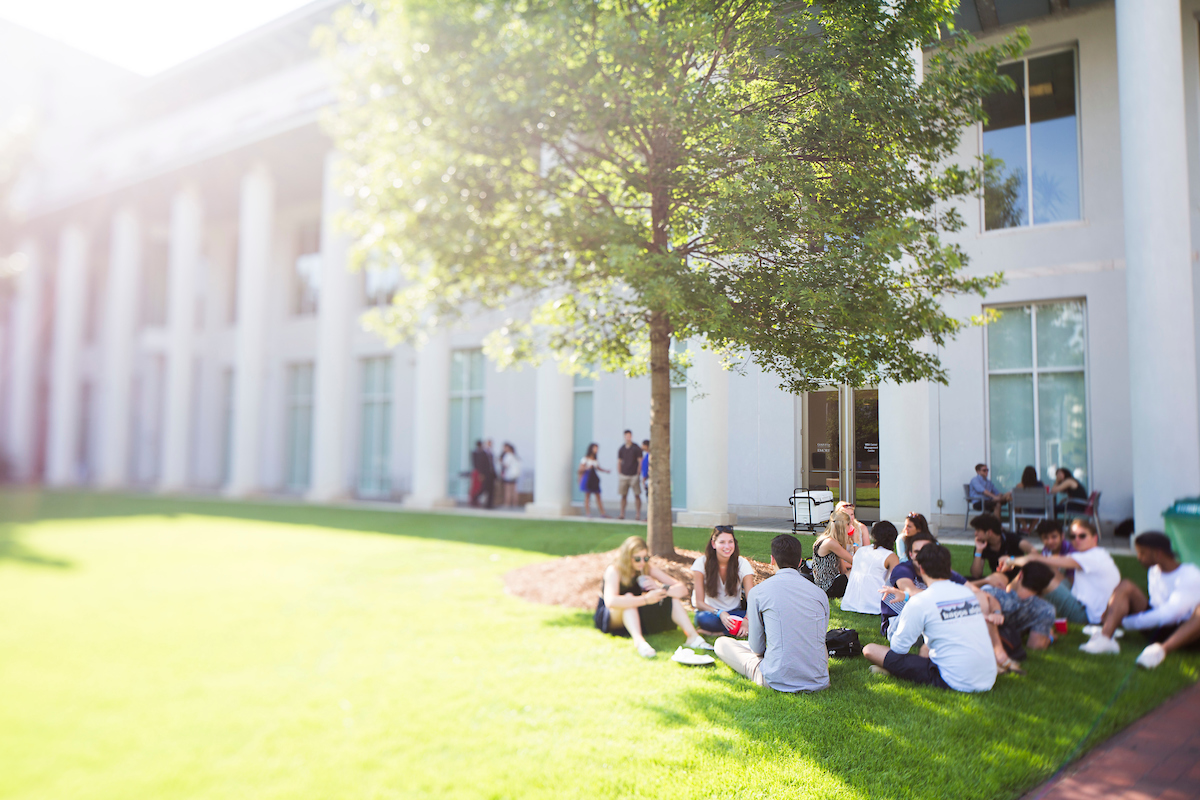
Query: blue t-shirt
[{"x": 907, "y": 569}]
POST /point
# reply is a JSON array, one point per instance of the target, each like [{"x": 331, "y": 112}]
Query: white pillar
[
  {"x": 120, "y": 327},
  {"x": 62, "y": 440},
  {"x": 904, "y": 451},
  {"x": 27, "y": 322},
  {"x": 334, "y": 367},
  {"x": 554, "y": 417},
  {"x": 707, "y": 443},
  {"x": 1158, "y": 271},
  {"x": 256, "y": 219},
  {"x": 431, "y": 420},
  {"x": 183, "y": 266}
]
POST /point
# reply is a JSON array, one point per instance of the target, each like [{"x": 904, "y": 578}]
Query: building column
[
  {"x": 707, "y": 443},
  {"x": 183, "y": 266},
  {"x": 431, "y": 420},
  {"x": 334, "y": 367},
  {"x": 62, "y": 445},
  {"x": 904, "y": 450},
  {"x": 1158, "y": 260},
  {"x": 554, "y": 411},
  {"x": 120, "y": 327},
  {"x": 27, "y": 322},
  {"x": 256, "y": 220}
]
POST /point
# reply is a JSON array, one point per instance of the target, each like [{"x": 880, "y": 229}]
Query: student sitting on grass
[
  {"x": 871, "y": 567},
  {"x": 1055, "y": 544},
  {"x": 914, "y": 523},
  {"x": 905, "y": 582},
  {"x": 1022, "y": 613},
  {"x": 957, "y": 653},
  {"x": 720, "y": 577},
  {"x": 1187, "y": 633},
  {"x": 788, "y": 616},
  {"x": 992, "y": 542},
  {"x": 640, "y": 599},
  {"x": 1174, "y": 593},
  {"x": 832, "y": 558}
]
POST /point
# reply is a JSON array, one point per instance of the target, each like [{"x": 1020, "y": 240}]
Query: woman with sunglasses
[
  {"x": 859, "y": 535},
  {"x": 639, "y": 599},
  {"x": 721, "y": 578},
  {"x": 832, "y": 556}
]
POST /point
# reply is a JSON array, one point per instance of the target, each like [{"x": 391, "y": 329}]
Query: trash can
[{"x": 1183, "y": 527}]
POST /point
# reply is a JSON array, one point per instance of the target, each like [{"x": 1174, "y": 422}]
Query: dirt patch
[{"x": 574, "y": 581}]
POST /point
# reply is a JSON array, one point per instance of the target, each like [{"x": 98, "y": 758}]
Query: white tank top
[{"x": 866, "y": 578}]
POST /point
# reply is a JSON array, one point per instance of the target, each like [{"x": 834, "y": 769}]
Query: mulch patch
[{"x": 574, "y": 581}]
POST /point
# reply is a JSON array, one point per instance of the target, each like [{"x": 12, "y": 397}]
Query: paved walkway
[{"x": 1156, "y": 757}]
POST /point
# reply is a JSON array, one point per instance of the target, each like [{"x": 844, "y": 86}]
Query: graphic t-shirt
[
  {"x": 949, "y": 617},
  {"x": 723, "y": 602},
  {"x": 907, "y": 569},
  {"x": 1095, "y": 581},
  {"x": 629, "y": 455}
]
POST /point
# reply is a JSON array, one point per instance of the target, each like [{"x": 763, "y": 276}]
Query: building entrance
[{"x": 840, "y": 444}]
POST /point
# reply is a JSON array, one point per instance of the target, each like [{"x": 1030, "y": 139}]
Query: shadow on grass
[{"x": 13, "y": 549}]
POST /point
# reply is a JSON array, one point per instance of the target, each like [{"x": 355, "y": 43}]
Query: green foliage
[{"x": 767, "y": 175}]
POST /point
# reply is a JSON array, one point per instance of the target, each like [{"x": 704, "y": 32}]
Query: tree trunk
[{"x": 658, "y": 515}]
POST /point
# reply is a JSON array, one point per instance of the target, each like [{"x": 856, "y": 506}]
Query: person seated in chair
[
  {"x": 982, "y": 492},
  {"x": 1076, "y": 494},
  {"x": 992, "y": 542},
  {"x": 1174, "y": 594},
  {"x": 957, "y": 653}
]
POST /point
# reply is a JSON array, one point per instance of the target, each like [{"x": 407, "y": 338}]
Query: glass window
[
  {"x": 1037, "y": 415},
  {"x": 299, "y": 426},
  {"x": 466, "y": 418},
  {"x": 375, "y": 433},
  {"x": 1032, "y": 130},
  {"x": 307, "y": 277}
]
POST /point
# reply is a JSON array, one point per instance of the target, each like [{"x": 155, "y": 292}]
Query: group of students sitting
[{"x": 972, "y": 628}]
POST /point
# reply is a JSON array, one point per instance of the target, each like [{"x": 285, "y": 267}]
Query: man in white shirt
[
  {"x": 1174, "y": 595},
  {"x": 958, "y": 650},
  {"x": 1096, "y": 574}
]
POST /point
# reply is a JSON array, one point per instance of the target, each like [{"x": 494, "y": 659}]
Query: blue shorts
[{"x": 707, "y": 620}]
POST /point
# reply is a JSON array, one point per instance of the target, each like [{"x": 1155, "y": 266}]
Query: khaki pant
[
  {"x": 741, "y": 658},
  {"x": 628, "y": 482}
]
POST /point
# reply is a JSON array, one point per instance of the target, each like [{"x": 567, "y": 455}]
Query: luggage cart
[{"x": 811, "y": 509}]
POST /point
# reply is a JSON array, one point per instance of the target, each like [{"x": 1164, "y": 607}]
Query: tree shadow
[{"x": 12, "y": 548}]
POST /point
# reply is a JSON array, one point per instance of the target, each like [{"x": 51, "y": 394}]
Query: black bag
[{"x": 842, "y": 643}]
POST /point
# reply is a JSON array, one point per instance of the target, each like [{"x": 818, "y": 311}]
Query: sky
[{"x": 144, "y": 36}]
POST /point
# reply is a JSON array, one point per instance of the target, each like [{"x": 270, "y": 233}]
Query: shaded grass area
[{"x": 185, "y": 648}]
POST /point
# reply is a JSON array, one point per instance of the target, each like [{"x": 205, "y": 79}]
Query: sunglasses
[
  {"x": 723, "y": 528},
  {"x": 1078, "y": 535},
  {"x": 640, "y": 559}
]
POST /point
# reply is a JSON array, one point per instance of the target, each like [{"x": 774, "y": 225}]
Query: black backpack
[{"x": 842, "y": 643}]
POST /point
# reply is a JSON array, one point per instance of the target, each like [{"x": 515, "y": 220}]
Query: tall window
[
  {"x": 466, "y": 417},
  {"x": 1033, "y": 130},
  {"x": 306, "y": 280},
  {"x": 1037, "y": 391},
  {"x": 582, "y": 428},
  {"x": 299, "y": 426},
  {"x": 376, "y": 430}
]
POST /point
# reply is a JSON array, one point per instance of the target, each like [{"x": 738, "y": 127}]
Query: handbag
[{"x": 842, "y": 643}]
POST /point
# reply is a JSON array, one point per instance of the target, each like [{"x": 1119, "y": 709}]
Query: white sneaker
[
  {"x": 1152, "y": 656},
  {"x": 1093, "y": 630},
  {"x": 698, "y": 643},
  {"x": 1100, "y": 645},
  {"x": 645, "y": 650}
]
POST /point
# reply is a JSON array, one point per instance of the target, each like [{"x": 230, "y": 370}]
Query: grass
[{"x": 183, "y": 648}]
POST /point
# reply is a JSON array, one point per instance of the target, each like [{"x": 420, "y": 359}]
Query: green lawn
[{"x": 157, "y": 648}]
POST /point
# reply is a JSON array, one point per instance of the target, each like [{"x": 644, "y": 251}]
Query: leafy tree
[{"x": 765, "y": 176}]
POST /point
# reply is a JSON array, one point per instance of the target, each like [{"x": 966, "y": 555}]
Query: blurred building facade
[{"x": 183, "y": 319}]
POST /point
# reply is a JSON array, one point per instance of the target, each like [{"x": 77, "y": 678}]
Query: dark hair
[
  {"x": 479, "y": 442},
  {"x": 1029, "y": 477},
  {"x": 883, "y": 534},
  {"x": 646, "y": 442},
  {"x": 511, "y": 446},
  {"x": 979, "y": 467},
  {"x": 986, "y": 522},
  {"x": 1036, "y": 576},
  {"x": 1049, "y": 526},
  {"x": 934, "y": 560},
  {"x": 592, "y": 450},
  {"x": 628, "y": 431},
  {"x": 787, "y": 551},
  {"x": 1066, "y": 472},
  {"x": 1087, "y": 525},
  {"x": 1153, "y": 540},
  {"x": 919, "y": 521},
  {"x": 919, "y": 536},
  {"x": 712, "y": 566}
]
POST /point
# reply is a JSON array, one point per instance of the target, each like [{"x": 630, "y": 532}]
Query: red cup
[
  {"x": 738, "y": 622},
  {"x": 1060, "y": 626}
]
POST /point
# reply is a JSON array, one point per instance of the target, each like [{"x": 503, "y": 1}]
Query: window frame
[
  {"x": 1034, "y": 370},
  {"x": 1072, "y": 48}
]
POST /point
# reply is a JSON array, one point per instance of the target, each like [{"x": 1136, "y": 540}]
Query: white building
[{"x": 184, "y": 320}]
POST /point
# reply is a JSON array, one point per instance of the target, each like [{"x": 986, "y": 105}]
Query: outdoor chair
[
  {"x": 1030, "y": 504},
  {"x": 970, "y": 507},
  {"x": 1075, "y": 509}
]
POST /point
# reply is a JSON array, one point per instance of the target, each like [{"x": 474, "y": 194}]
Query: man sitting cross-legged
[
  {"x": 958, "y": 651},
  {"x": 992, "y": 542},
  {"x": 788, "y": 616},
  {"x": 1023, "y": 612},
  {"x": 1174, "y": 594}
]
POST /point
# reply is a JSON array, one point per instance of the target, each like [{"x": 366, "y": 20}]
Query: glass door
[{"x": 840, "y": 434}]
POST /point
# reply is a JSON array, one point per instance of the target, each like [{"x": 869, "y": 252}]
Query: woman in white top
[
  {"x": 858, "y": 535},
  {"x": 510, "y": 473},
  {"x": 718, "y": 587},
  {"x": 589, "y": 479},
  {"x": 872, "y": 565}
]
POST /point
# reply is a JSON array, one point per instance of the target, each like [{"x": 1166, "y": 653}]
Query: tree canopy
[{"x": 767, "y": 177}]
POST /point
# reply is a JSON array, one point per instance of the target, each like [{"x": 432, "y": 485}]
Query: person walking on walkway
[{"x": 589, "y": 479}]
